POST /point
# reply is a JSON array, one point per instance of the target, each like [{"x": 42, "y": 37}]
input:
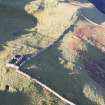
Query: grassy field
[
  {"x": 60, "y": 68},
  {"x": 16, "y": 32},
  {"x": 64, "y": 72}
]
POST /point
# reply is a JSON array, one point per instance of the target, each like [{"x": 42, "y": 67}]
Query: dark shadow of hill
[
  {"x": 84, "y": 1},
  {"x": 93, "y": 14},
  {"x": 15, "y": 3},
  {"x": 13, "y": 98},
  {"x": 47, "y": 69},
  {"x": 93, "y": 60},
  {"x": 13, "y": 23}
]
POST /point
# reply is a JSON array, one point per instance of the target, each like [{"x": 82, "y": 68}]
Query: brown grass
[{"x": 94, "y": 33}]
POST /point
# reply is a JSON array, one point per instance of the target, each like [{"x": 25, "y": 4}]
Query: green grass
[
  {"x": 13, "y": 20},
  {"x": 58, "y": 67},
  {"x": 22, "y": 91},
  {"x": 77, "y": 87}
]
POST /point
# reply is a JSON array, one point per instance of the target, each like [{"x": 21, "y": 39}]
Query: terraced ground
[{"x": 66, "y": 67}]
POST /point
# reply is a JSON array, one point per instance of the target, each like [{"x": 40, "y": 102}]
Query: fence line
[
  {"x": 42, "y": 51},
  {"x": 46, "y": 87}
]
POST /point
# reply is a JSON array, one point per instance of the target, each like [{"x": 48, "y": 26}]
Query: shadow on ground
[
  {"x": 84, "y": 1},
  {"x": 94, "y": 64},
  {"x": 13, "y": 23},
  {"x": 93, "y": 14},
  {"x": 15, "y": 3},
  {"x": 13, "y": 98},
  {"x": 47, "y": 69}
]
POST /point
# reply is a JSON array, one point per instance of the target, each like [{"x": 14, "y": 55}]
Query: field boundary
[
  {"x": 67, "y": 29},
  {"x": 46, "y": 87}
]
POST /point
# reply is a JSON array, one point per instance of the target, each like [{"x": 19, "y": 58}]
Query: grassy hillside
[
  {"x": 17, "y": 32},
  {"x": 63, "y": 67},
  {"x": 64, "y": 71}
]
